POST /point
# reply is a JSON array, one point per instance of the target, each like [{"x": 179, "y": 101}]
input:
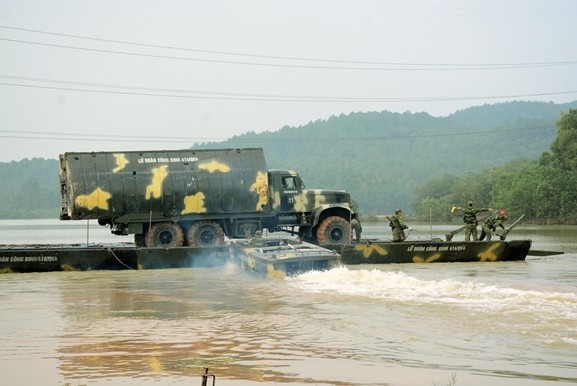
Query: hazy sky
[{"x": 88, "y": 75}]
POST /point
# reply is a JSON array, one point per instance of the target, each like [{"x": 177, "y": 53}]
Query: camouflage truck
[{"x": 196, "y": 197}]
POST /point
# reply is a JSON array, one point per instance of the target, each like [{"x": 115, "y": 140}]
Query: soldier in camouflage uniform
[
  {"x": 257, "y": 241},
  {"x": 357, "y": 227},
  {"x": 490, "y": 225},
  {"x": 398, "y": 226},
  {"x": 470, "y": 219}
]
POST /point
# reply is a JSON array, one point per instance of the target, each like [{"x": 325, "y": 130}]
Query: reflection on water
[
  {"x": 487, "y": 323},
  {"x": 151, "y": 326}
]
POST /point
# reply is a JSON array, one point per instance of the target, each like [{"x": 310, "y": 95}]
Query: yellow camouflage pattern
[
  {"x": 214, "y": 166},
  {"x": 260, "y": 187},
  {"x": 97, "y": 199},
  {"x": 121, "y": 162},
  {"x": 490, "y": 254},
  {"x": 194, "y": 204},
  {"x": 430, "y": 259},
  {"x": 154, "y": 190},
  {"x": 368, "y": 249}
]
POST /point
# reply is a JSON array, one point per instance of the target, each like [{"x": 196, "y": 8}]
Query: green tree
[
  {"x": 544, "y": 191},
  {"x": 559, "y": 168}
]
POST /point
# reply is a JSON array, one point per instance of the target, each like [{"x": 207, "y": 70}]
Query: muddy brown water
[{"x": 505, "y": 324}]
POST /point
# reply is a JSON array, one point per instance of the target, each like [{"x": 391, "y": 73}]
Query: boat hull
[
  {"x": 381, "y": 252},
  {"x": 281, "y": 257}
]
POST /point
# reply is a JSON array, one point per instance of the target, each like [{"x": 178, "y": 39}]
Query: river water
[{"x": 474, "y": 324}]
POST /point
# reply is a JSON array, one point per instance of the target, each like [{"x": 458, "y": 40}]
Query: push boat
[
  {"x": 281, "y": 257},
  {"x": 436, "y": 250}
]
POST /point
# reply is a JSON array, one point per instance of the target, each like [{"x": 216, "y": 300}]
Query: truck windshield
[{"x": 289, "y": 182}]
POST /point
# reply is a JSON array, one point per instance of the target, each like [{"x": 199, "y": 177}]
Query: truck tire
[
  {"x": 205, "y": 234},
  {"x": 334, "y": 230},
  {"x": 165, "y": 235}
]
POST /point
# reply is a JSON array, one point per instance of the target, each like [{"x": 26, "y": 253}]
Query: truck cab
[
  {"x": 285, "y": 187},
  {"x": 321, "y": 216}
]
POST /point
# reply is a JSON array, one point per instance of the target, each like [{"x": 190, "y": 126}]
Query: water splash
[{"x": 401, "y": 287}]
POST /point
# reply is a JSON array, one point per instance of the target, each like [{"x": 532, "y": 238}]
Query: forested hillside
[
  {"x": 542, "y": 190},
  {"x": 380, "y": 157},
  {"x": 30, "y": 189}
]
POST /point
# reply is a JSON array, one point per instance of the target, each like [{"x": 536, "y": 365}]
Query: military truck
[{"x": 175, "y": 198}]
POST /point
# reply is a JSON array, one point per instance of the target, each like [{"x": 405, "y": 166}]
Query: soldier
[
  {"x": 398, "y": 226},
  {"x": 490, "y": 225},
  {"x": 357, "y": 227},
  {"x": 470, "y": 219},
  {"x": 257, "y": 240}
]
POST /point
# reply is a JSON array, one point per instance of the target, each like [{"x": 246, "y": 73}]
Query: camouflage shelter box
[{"x": 101, "y": 185}]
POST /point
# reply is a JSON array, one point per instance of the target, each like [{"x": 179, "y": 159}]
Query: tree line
[
  {"x": 543, "y": 189},
  {"x": 30, "y": 189}
]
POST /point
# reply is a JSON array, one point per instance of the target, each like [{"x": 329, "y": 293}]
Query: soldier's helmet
[
  {"x": 398, "y": 211},
  {"x": 470, "y": 203},
  {"x": 258, "y": 233}
]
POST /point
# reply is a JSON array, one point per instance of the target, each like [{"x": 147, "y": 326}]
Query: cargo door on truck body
[{"x": 90, "y": 188}]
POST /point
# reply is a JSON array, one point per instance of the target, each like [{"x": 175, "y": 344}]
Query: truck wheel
[
  {"x": 205, "y": 234},
  {"x": 164, "y": 234},
  {"x": 334, "y": 230}
]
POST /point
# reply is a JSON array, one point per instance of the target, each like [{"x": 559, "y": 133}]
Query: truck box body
[{"x": 160, "y": 183}]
